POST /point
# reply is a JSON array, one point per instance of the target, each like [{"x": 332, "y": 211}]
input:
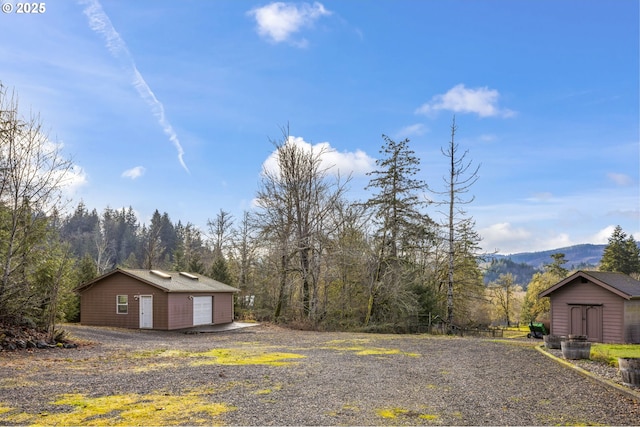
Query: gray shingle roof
[
  {"x": 619, "y": 283},
  {"x": 174, "y": 281},
  {"x": 171, "y": 281}
]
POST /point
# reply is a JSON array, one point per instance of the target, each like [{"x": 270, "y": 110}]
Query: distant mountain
[
  {"x": 524, "y": 265},
  {"x": 578, "y": 256}
]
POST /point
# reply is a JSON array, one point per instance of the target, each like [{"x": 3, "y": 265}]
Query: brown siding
[
  {"x": 180, "y": 311},
  {"x": 579, "y": 293},
  {"x": 222, "y": 308},
  {"x": 170, "y": 310},
  {"x": 98, "y": 303}
]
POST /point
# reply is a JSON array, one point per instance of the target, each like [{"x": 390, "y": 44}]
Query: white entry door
[
  {"x": 202, "y": 310},
  {"x": 146, "y": 311}
]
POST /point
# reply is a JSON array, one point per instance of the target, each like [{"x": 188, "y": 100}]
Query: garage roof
[{"x": 170, "y": 281}]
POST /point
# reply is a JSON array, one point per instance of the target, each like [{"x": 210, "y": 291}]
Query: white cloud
[
  {"x": 481, "y": 101},
  {"x": 506, "y": 238},
  {"x": 71, "y": 181},
  {"x": 133, "y": 173},
  {"x": 620, "y": 179},
  {"x": 602, "y": 236},
  {"x": 100, "y": 23},
  {"x": 278, "y": 21},
  {"x": 497, "y": 235},
  {"x": 411, "y": 130},
  {"x": 487, "y": 137},
  {"x": 333, "y": 161},
  {"x": 544, "y": 196}
]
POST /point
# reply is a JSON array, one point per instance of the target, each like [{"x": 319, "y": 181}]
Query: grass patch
[
  {"x": 126, "y": 409},
  {"x": 148, "y": 367},
  {"x": 163, "y": 352},
  {"x": 515, "y": 332},
  {"x": 221, "y": 356},
  {"x": 609, "y": 353},
  {"x": 373, "y": 351},
  {"x": 357, "y": 346},
  {"x": 393, "y": 413},
  {"x": 266, "y": 391},
  {"x": 225, "y": 356},
  {"x": 429, "y": 417}
]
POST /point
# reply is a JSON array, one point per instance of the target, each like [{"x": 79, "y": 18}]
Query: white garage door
[{"x": 202, "y": 310}]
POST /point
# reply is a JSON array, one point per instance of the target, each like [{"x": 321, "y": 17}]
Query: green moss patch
[
  {"x": 218, "y": 356},
  {"x": 394, "y": 413},
  {"x": 358, "y": 347},
  {"x": 125, "y": 409},
  {"x": 226, "y": 356}
]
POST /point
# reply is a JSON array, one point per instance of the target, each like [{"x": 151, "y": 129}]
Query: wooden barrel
[
  {"x": 630, "y": 370},
  {"x": 572, "y": 349},
  {"x": 577, "y": 337},
  {"x": 553, "y": 341}
]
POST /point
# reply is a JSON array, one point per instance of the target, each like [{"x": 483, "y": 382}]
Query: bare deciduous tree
[
  {"x": 32, "y": 174},
  {"x": 459, "y": 181},
  {"x": 295, "y": 200}
]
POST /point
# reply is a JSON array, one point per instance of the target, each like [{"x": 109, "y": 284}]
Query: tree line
[{"x": 307, "y": 255}]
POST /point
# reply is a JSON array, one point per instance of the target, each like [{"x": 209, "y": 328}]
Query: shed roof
[
  {"x": 619, "y": 283},
  {"x": 169, "y": 281}
]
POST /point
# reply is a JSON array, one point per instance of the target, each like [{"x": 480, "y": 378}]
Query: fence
[{"x": 437, "y": 326}]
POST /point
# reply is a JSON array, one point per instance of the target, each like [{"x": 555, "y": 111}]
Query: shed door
[
  {"x": 202, "y": 310},
  {"x": 576, "y": 327},
  {"x": 586, "y": 320},
  {"x": 146, "y": 311},
  {"x": 594, "y": 323}
]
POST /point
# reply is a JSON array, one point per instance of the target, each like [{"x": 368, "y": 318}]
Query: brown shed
[
  {"x": 154, "y": 299},
  {"x": 604, "y": 306}
]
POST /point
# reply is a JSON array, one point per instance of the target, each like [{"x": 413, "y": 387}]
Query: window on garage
[{"x": 122, "y": 304}]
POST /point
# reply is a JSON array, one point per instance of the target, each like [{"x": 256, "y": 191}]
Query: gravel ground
[
  {"x": 601, "y": 370},
  {"x": 286, "y": 377}
]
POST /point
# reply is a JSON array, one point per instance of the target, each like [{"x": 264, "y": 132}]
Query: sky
[{"x": 175, "y": 105}]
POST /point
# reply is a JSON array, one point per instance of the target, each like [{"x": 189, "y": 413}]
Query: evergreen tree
[
  {"x": 622, "y": 254},
  {"x": 219, "y": 271},
  {"x": 556, "y": 267},
  {"x": 397, "y": 206},
  {"x": 169, "y": 239},
  {"x": 152, "y": 245}
]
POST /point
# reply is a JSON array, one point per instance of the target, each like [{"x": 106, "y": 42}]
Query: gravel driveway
[{"x": 267, "y": 375}]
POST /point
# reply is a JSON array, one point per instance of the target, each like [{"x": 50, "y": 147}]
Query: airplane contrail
[{"x": 100, "y": 23}]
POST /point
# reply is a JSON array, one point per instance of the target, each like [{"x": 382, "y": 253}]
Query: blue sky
[{"x": 171, "y": 105}]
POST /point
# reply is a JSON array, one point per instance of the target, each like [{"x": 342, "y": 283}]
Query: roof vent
[
  {"x": 190, "y": 276},
  {"x": 160, "y": 274}
]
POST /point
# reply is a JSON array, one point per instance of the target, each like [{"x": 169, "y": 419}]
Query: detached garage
[
  {"x": 154, "y": 299},
  {"x": 603, "y": 306}
]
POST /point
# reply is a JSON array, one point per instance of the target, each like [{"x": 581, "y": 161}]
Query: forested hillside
[
  {"x": 524, "y": 265},
  {"x": 522, "y": 272},
  {"x": 578, "y": 256}
]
